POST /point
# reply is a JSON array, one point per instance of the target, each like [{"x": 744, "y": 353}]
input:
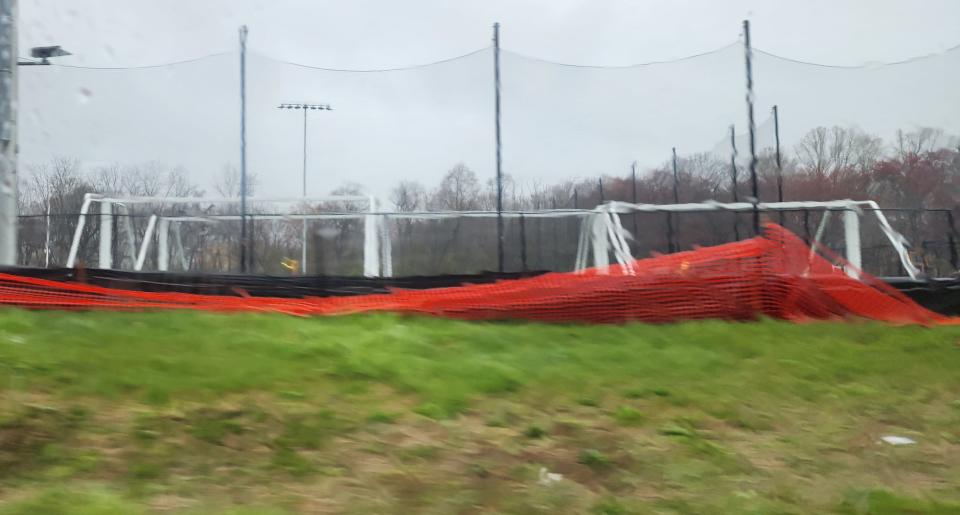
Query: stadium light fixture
[{"x": 44, "y": 53}]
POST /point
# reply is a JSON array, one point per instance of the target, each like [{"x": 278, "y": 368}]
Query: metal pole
[
  {"x": 733, "y": 176},
  {"x": 600, "y": 183},
  {"x": 776, "y": 137},
  {"x": 674, "y": 245},
  {"x": 496, "y": 89},
  {"x": 243, "y": 149},
  {"x": 46, "y": 245},
  {"x": 748, "y": 54},
  {"x": 8, "y": 132},
  {"x": 633, "y": 181},
  {"x": 576, "y": 203},
  {"x": 303, "y": 234},
  {"x": 676, "y": 186}
]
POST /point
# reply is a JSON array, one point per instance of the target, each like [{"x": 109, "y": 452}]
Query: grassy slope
[{"x": 199, "y": 413}]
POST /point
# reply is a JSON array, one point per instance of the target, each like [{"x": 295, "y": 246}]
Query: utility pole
[
  {"x": 303, "y": 234},
  {"x": 244, "y": 243},
  {"x": 748, "y": 54},
  {"x": 496, "y": 90},
  {"x": 8, "y": 132}
]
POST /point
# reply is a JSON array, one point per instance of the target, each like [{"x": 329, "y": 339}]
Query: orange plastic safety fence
[{"x": 776, "y": 275}]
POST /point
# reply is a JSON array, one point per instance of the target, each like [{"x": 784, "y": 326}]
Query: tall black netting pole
[
  {"x": 751, "y": 125},
  {"x": 496, "y": 89},
  {"x": 734, "y": 181},
  {"x": 776, "y": 138}
]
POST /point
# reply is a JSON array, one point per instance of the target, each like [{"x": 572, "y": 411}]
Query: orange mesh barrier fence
[{"x": 775, "y": 275}]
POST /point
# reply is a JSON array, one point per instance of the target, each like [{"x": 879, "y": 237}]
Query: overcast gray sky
[{"x": 558, "y": 122}]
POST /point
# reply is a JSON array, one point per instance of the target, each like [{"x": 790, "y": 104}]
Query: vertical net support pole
[
  {"x": 163, "y": 245},
  {"x": 751, "y": 125},
  {"x": 734, "y": 182},
  {"x": 106, "y": 235},
  {"x": 8, "y": 132},
  {"x": 776, "y": 138},
  {"x": 851, "y": 235},
  {"x": 244, "y": 243},
  {"x": 496, "y": 91},
  {"x": 371, "y": 237}
]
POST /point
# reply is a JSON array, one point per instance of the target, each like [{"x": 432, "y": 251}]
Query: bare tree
[
  {"x": 458, "y": 191},
  {"x": 409, "y": 196},
  {"x": 824, "y": 151}
]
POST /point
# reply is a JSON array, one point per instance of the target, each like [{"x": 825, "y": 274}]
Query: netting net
[{"x": 421, "y": 139}]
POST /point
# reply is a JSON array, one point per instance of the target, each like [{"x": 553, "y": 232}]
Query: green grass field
[{"x": 198, "y": 413}]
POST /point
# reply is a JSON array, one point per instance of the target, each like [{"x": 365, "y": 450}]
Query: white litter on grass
[
  {"x": 897, "y": 440},
  {"x": 548, "y": 478}
]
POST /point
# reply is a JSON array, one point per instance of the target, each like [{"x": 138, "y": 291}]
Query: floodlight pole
[
  {"x": 243, "y": 149},
  {"x": 8, "y": 133},
  {"x": 303, "y": 235},
  {"x": 496, "y": 89},
  {"x": 748, "y": 54},
  {"x": 303, "y": 226}
]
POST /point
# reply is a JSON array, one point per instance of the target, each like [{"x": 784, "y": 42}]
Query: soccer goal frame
[
  {"x": 163, "y": 226},
  {"x": 602, "y": 234}
]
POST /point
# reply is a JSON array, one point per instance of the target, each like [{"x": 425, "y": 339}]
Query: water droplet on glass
[{"x": 84, "y": 96}]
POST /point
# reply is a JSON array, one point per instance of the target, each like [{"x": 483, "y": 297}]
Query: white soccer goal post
[
  {"x": 602, "y": 234},
  {"x": 164, "y": 226}
]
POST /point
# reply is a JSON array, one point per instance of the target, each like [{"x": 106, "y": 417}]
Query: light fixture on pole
[
  {"x": 305, "y": 107},
  {"x": 44, "y": 53}
]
